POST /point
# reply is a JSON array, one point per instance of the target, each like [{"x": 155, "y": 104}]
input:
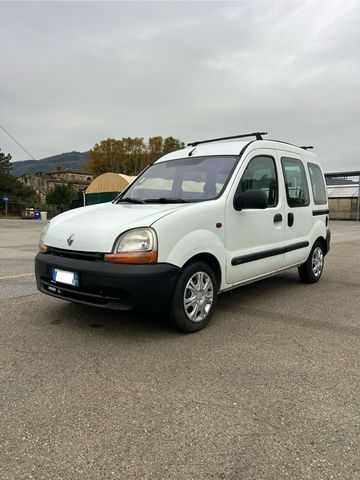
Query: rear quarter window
[{"x": 317, "y": 184}]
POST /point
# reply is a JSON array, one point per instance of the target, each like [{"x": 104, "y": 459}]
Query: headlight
[
  {"x": 137, "y": 240},
  {"x": 135, "y": 246},
  {"x": 42, "y": 247}
]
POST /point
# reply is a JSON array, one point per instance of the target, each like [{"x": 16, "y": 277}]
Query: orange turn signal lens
[
  {"x": 43, "y": 248},
  {"x": 132, "y": 257}
]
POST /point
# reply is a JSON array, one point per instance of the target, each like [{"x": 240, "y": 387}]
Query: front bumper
[{"x": 112, "y": 286}]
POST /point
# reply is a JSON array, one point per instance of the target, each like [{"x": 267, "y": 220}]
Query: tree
[
  {"x": 16, "y": 191},
  {"x": 159, "y": 146},
  {"x": 5, "y": 165},
  {"x": 154, "y": 148},
  {"x": 61, "y": 195},
  {"x": 10, "y": 186},
  {"x": 106, "y": 156},
  {"x": 129, "y": 155},
  {"x": 171, "y": 144},
  {"x": 134, "y": 154}
]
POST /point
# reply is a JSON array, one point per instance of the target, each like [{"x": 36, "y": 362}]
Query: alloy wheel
[
  {"x": 198, "y": 296},
  {"x": 317, "y": 262}
]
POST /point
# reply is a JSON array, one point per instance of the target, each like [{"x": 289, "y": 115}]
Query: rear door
[
  {"x": 255, "y": 238},
  {"x": 298, "y": 213}
]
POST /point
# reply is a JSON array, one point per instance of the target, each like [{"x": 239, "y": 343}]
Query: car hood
[{"x": 96, "y": 227}]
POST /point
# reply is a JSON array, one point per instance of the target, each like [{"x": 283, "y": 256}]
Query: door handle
[
  {"x": 278, "y": 218},
  {"x": 290, "y": 219}
]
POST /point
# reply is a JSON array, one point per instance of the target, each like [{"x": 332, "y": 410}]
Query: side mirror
[{"x": 256, "y": 199}]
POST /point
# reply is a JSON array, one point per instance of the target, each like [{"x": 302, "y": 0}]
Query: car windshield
[{"x": 185, "y": 180}]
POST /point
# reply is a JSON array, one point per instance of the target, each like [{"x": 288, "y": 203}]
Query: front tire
[
  {"x": 194, "y": 298},
  {"x": 311, "y": 270}
]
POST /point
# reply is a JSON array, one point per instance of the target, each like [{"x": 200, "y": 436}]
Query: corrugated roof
[{"x": 342, "y": 191}]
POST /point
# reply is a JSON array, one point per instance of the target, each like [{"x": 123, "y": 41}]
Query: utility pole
[{"x": 358, "y": 202}]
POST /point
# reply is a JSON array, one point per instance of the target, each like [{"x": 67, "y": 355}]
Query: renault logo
[{"x": 70, "y": 240}]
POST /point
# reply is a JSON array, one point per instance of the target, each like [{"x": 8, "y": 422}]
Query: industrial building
[
  {"x": 106, "y": 187},
  {"x": 343, "y": 189}
]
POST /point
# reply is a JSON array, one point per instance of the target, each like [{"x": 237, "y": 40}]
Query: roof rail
[
  {"x": 258, "y": 136},
  {"x": 307, "y": 147}
]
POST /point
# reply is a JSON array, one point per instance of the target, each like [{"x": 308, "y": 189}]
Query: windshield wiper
[
  {"x": 165, "y": 200},
  {"x": 130, "y": 200}
]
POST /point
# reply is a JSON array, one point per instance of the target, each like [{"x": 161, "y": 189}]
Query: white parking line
[{"x": 9, "y": 277}]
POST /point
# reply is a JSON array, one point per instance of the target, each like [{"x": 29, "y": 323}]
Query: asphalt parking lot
[{"x": 270, "y": 390}]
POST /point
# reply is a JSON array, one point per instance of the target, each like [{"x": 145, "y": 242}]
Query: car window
[
  {"x": 317, "y": 184},
  {"x": 297, "y": 191},
  {"x": 260, "y": 174},
  {"x": 190, "y": 179}
]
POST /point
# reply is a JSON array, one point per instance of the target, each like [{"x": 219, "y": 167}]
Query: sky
[{"x": 74, "y": 73}]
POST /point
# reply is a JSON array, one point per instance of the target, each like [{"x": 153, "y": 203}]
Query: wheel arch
[
  {"x": 212, "y": 261},
  {"x": 324, "y": 244}
]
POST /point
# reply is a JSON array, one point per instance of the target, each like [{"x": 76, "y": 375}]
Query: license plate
[{"x": 62, "y": 276}]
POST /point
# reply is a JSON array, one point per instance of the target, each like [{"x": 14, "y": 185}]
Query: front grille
[
  {"x": 90, "y": 256},
  {"x": 122, "y": 300}
]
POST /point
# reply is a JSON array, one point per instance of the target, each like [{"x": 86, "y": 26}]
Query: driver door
[{"x": 255, "y": 239}]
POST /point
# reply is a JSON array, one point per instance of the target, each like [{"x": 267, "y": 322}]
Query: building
[
  {"x": 343, "y": 190},
  {"x": 343, "y": 201},
  {"x": 106, "y": 187},
  {"x": 43, "y": 183}
]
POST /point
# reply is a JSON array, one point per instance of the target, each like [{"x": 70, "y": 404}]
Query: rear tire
[
  {"x": 194, "y": 298},
  {"x": 311, "y": 270}
]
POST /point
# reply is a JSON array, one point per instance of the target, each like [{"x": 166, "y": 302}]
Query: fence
[
  {"x": 27, "y": 210},
  {"x": 344, "y": 208}
]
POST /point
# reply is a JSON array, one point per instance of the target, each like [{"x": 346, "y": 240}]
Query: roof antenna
[{"x": 191, "y": 152}]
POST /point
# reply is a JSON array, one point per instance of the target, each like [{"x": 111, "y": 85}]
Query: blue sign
[{"x": 5, "y": 199}]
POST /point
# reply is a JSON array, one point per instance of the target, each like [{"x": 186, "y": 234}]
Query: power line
[{"x": 16, "y": 141}]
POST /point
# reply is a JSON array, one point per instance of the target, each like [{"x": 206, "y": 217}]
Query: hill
[{"x": 70, "y": 160}]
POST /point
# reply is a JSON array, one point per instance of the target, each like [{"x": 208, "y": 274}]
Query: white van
[{"x": 216, "y": 215}]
